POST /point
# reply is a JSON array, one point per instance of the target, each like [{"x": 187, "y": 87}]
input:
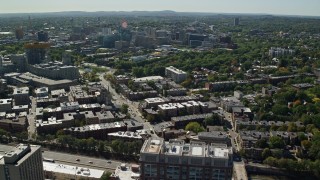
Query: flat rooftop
[
  {"x": 72, "y": 170},
  {"x": 148, "y": 78},
  {"x": 175, "y": 70}
]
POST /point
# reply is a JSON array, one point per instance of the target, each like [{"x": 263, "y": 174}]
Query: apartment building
[
  {"x": 22, "y": 162},
  {"x": 178, "y": 160},
  {"x": 175, "y": 74}
]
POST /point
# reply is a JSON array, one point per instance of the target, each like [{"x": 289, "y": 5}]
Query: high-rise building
[
  {"x": 66, "y": 58},
  {"x": 236, "y": 21},
  {"x": 175, "y": 74},
  {"x": 43, "y": 36},
  {"x": 36, "y": 52},
  {"x": 21, "y": 96},
  {"x": 179, "y": 160},
  {"x": 1, "y": 59},
  {"x": 24, "y": 162},
  {"x": 19, "y": 33}
]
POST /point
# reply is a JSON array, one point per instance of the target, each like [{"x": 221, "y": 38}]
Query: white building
[
  {"x": 175, "y": 74},
  {"x": 67, "y": 172}
]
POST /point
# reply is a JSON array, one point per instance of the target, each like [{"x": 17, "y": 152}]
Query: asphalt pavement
[{"x": 120, "y": 100}]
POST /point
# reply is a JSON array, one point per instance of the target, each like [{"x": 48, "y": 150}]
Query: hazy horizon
[{"x": 282, "y": 7}]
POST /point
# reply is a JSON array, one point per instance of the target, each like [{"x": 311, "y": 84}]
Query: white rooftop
[
  {"x": 197, "y": 151},
  {"x": 221, "y": 152},
  {"x": 72, "y": 170}
]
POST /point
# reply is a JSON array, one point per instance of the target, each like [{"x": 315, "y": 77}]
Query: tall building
[
  {"x": 36, "y": 52},
  {"x": 236, "y": 21},
  {"x": 43, "y": 36},
  {"x": 66, "y": 58},
  {"x": 178, "y": 160},
  {"x": 21, "y": 96},
  {"x": 24, "y": 162},
  {"x": 175, "y": 74},
  {"x": 1, "y": 60},
  {"x": 19, "y": 33}
]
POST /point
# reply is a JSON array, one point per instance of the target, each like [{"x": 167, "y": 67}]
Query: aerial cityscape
[{"x": 142, "y": 90}]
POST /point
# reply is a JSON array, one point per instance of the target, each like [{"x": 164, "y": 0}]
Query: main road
[
  {"x": 32, "y": 117},
  {"x": 120, "y": 100}
]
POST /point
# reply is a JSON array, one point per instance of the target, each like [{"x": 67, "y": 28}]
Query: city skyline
[{"x": 284, "y": 7}]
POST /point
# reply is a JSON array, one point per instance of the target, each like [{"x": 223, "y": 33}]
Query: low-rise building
[
  {"x": 181, "y": 121},
  {"x": 63, "y": 171},
  {"x": 105, "y": 117},
  {"x": 212, "y": 137},
  {"x": 13, "y": 123},
  {"x": 247, "y": 139},
  {"x": 126, "y": 136},
  {"x": 42, "y": 92}
]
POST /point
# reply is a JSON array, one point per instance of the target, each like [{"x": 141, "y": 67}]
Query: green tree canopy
[
  {"x": 276, "y": 142},
  {"x": 195, "y": 127}
]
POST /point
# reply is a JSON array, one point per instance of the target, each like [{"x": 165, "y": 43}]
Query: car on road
[
  {"x": 77, "y": 159},
  {"x": 90, "y": 162},
  {"x": 109, "y": 161}
]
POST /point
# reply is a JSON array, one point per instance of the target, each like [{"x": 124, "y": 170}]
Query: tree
[
  {"x": 106, "y": 176},
  {"x": 261, "y": 143},
  {"x": 276, "y": 142},
  {"x": 266, "y": 153},
  {"x": 306, "y": 144},
  {"x": 101, "y": 146},
  {"x": 271, "y": 161},
  {"x": 292, "y": 127},
  {"x": 195, "y": 127},
  {"x": 124, "y": 108},
  {"x": 314, "y": 151},
  {"x": 23, "y": 135},
  {"x": 150, "y": 117},
  {"x": 212, "y": 120},
  {"x": 280, "y": 109},
  {"x": 138, "y": 72}
]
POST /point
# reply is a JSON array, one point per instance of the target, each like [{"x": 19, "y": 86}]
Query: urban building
[
  {"x": 176, "y": 159},
  {"x": 180, "y": 122},
  {"x": 42, "y": 92},
  {"x": 22, "y": 162},
  {"x": 81, "y": 96},
  {"x": 21, "y": 96},
  {"x": 38, "y": 81},
  {"x": 5, "y": 105},
  {"x": 13, "y": 123},
  {"x": 43, "y": 36},
  {"x": 63, "y": 171},
  {"x": 175, "y": 74},
  {"x": 236, "y": 21},
  {"x": 278, "y": 51},
  {"x": 55, "y": 70},
  {"x": 125, "y": 135},
  {"x": 36, "y": 52},
  {"x": 213, "y": 137}
]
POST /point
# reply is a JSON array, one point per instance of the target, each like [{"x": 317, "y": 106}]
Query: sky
[{"x": 279, "y": 7}]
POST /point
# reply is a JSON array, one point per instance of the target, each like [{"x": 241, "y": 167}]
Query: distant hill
[{"x": 132, "y": 13}]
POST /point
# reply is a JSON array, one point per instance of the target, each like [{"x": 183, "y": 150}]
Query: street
[
  {"x": 31, "y": 118},
  {"x": 120, "y": 100}
]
